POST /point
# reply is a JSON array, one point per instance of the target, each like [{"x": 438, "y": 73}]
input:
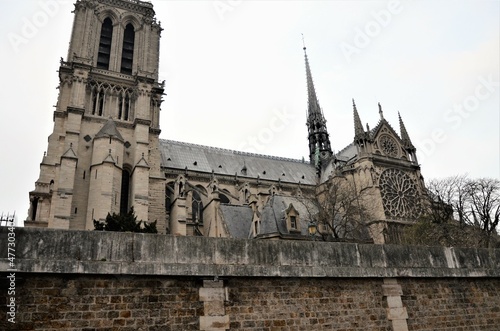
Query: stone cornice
[
  {"x": 59, "y": 114},
  {"x": 141, "y": 7},
  {"x": 142, "y": 122},
  {"x": 231, "y": 180},
  {"x": 75, "y": 110},
  {"x": 155, "y": 131}
]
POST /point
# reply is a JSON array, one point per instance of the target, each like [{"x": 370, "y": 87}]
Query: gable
[{"x": 387, "y": 142}]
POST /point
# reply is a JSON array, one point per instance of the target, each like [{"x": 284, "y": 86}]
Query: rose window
[
  {"x": 399, "y": 194},
  {"x": 388, "y": 145}
]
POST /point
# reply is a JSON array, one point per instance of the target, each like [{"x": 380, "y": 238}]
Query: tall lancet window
[
  {"x": 124, "y": 196},
  {"x": 124, "y": 106},
  {"x": 197, "y": 208},
  {"x": 128, "y": 49},
  {"x": 98, "y": 101},
  {"x": 105, "y": 44}
]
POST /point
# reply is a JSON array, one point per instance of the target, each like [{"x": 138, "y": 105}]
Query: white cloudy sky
[{"x": 235, "y": 78}]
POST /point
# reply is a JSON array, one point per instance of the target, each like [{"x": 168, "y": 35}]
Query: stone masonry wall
[
  {"x": 306, "y": 304},
  {"x": 87, "y": 280},
  {"x": 452, "y": 304},
  {"x": 126, "y": 303},
  {"x": 91, "y": 302}
]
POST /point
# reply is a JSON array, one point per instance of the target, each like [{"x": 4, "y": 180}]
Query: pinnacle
[
  {"x": 404, "y": 134},
  {"x": 358, "y": 126}
]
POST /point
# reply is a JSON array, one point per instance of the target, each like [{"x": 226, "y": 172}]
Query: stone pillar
[
  {"x": 178, "y": 217},
  {"x": 213, "y": 294},
  {"x": 396, "y": 313}
]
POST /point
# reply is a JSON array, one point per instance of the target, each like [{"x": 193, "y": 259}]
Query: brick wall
[
  {"x": 306, "y": 304},
  {"x": 74, "y": 302},
  {"x": 126, "y": 303},
  {"x": 452, "y": 304}
]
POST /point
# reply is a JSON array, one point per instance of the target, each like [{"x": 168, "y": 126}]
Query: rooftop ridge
[{"x": 271, "y": 157}]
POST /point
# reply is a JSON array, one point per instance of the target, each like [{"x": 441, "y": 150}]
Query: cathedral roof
[
  {"x": 109, "y": 129},
  {"x": 181, "y": 155},
  {"x": 347, "y": 153},
  {"x": 237, "y": 219},
  {"x": 274, "y": 221}
]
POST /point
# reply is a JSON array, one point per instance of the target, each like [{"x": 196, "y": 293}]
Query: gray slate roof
[
  {"x": 346, "y": 154},
  {"x": 273, "y": 218},
  {"x": 179, "y": 155},
  {"x": 238, "y": 220}
]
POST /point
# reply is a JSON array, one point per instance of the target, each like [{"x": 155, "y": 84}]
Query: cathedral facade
[{"x": 105, "y": 155}]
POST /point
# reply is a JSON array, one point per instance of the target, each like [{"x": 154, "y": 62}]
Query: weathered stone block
[
  {"x": 214, "y": 323},
  {"x": 214, "y": 308},
  {"x": 212, "y": 294},
  {"x": 397, "y": 313}
]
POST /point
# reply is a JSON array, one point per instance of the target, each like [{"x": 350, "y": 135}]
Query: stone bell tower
[{"x": 103, "y": 154}]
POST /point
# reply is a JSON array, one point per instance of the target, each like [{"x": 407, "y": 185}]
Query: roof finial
[
  {"x": 303, "y": 42},
  {"x": 380, "y": 111}
]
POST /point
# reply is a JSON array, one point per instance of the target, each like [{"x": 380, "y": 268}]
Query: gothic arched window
[
  {"x": 98, "y": 101},
  {"x": 169, "y": 196},
  {"x": 128, "y": 50},
  {"x": 223, "y": 198},
  {"x": 105, "y": 44},
  {"x": 124, "y": 106},
  {"x": 197, "y": 208}
]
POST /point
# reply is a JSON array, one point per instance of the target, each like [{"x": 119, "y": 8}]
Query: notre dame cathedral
[{"x": 105, "y": 154}]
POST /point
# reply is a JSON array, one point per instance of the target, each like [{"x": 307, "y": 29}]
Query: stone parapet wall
[{"x": 92, "y": 252}]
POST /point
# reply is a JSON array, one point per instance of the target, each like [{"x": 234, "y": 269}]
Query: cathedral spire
[
  {"x": 313, "y": 103},
  {"x": 358, "y": 126},
  {"x": 319, "y": 141}
]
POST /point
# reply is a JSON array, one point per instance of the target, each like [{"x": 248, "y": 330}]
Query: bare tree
[
  {"x": 462, "y": 211},
  {"x": 447, "y": 196},
  {"x": 484, "y": 204},
  {"x": 339, "y": 211}
]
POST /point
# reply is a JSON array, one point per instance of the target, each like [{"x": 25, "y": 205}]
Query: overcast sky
[{"x": 235, "y": 78}]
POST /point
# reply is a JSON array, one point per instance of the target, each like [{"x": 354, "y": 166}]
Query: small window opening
[{"x": 34, "y": 208}]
